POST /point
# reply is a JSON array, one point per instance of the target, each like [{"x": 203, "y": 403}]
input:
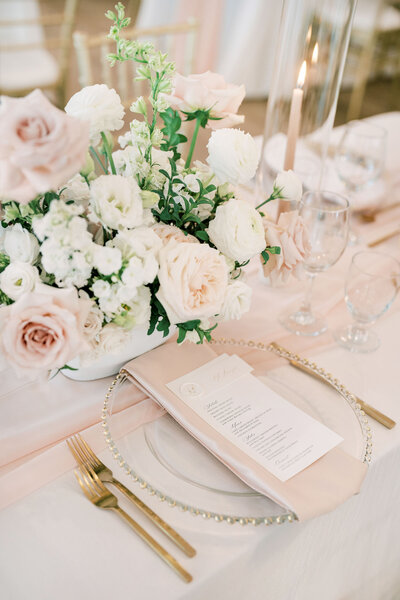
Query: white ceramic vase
[{"x": 110, "y": 364}]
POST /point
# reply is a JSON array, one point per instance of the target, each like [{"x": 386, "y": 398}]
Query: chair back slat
[{"x": 92, "y": 51}]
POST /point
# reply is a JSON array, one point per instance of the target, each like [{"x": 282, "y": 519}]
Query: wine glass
[
  {"x": 326, "y": 216},
  {"x": 360, "y": 157},
  {"x": 371, "y": 286}
]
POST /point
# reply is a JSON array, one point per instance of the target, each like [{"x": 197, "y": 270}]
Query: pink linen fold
[{"x": 318, "y": 489}]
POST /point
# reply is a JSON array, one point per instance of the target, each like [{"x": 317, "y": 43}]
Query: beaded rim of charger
[{"x": 288, "y": 517}]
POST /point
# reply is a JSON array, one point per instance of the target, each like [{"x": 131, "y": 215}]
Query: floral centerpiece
[{"x": 96, "y": 241}]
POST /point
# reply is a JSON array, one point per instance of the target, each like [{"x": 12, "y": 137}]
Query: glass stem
[
  {"x": 359, "y": 333},
  {"x": 306, "y": 304}
]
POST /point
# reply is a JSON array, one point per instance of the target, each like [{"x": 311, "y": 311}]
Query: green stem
[
  {"x": 108, "y": 152},
  {"x": 96, "y": 156},
  {"x": 271, "y": 197},
  {"x": 193, "y": 143}
]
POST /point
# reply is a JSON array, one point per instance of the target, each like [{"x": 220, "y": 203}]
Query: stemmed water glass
[
  {"x": 371, "y": 286},
  {"x": 326, "y": 216},
  {"x": 360, "y": 157}
]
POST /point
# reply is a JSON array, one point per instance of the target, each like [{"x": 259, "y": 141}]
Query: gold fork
[
  {"x": 100, "y": 496},
  {"x": 83, "y": 454}
]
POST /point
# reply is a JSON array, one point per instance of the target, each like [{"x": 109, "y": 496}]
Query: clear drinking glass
[
  {"x": 326, "y": 216},
  {"x": 360, "y": 156},
  {"x": 371, "y": 286}
]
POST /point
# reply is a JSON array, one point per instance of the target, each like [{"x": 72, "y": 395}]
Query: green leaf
[{"x": 202, "y": 235}]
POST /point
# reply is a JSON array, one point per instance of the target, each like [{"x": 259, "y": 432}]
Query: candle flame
[
  {"x": 309, "y": 32},
  {"x": 314, "y": 58},
  {"x": 302, "y": 75}
]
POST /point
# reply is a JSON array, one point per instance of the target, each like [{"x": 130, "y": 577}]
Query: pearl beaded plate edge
[{"x": 186, "y": 476}]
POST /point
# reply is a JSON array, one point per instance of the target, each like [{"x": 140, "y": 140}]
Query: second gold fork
[{"x": 83, "y": 454}]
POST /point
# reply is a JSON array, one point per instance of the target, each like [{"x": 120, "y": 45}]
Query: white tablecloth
[{"x": 55, "y": 545}]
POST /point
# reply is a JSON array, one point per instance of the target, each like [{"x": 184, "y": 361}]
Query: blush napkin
[{"x": 318, "y": 489}]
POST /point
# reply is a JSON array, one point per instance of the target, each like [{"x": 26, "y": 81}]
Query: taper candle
[{"x": 295, "y": 119}]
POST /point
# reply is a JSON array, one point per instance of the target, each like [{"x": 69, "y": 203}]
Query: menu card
[{"x": 273, "y": 432}]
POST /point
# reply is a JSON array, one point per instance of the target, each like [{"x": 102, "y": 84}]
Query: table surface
[{"x": 55, "y": 545}]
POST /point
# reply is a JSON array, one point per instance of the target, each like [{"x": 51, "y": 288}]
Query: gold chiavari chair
[
  {"x": 31, "y": 63},
  {"x": 93, "y": 66}
]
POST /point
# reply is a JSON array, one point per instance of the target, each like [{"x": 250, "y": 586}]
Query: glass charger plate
[{"x": 164, "y": 459}]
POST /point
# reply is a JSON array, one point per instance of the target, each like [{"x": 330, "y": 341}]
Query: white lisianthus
[
  {"x": 237, "y": 300},
  {"x": 193, "y": 280},
  {"x": 18, "y": 278},
  {"x": 289, "y": 186},
  {"x": 111, "y": 339},
  {"x": 20, "y": 245},
  {"x": 106, "y": 260},
  {"x": 233, "y": 155},
  {"x": 237, "y": 230},
  {"x": 100, "y": 106},
  {"x": 115, "y": 201}
]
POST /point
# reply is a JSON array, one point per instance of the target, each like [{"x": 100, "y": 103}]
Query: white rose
[
  {"x": 193, "y": 280},
  {"x": 112, "y": 339},
  {"x": 93, "y": 323},
  {"x": 237, "y": 300},
  {"x": 18, "y": 278},
  {"x": 20, "y": 245},
  {"x": 106, "y": 260},
  {"x": 289, "y": 186},
  {"x": 237, "y": 230},
  {"x": 233, "y": 155},
  {"x": 100, "y": 106},
  {"x": 116, "y": 201}
]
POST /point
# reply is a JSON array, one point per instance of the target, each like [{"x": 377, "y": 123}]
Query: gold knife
[{"x": 369, "y": 410}]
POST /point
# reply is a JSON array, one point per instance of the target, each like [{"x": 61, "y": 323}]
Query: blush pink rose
[
  {"x": 44, "y": 329},
  {"x": 168, "y": 233},
  {"x": 40, "y": 146},
  {"x": 291, "y": 235},
  {"x": 208, "y": 91}
]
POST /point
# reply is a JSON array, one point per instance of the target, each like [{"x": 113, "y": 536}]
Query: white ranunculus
[
  {"x": 106, "y": 260},
  {"x": 18, "y": 278},
  {"x": 100, "y": 106},
  {"x": 237, "y": 230},
  {"x": 111, "y": 339},
  {"x": 289, "y": 186},
  {"x": 115, "y": 201},
  {"x": 237, "y": 300},
  {"x": 76, "y": 189},
  {"x": 233, "y": 155},
  {"x": 193, "y": 280},
  {"x": 20, "y": 245}
]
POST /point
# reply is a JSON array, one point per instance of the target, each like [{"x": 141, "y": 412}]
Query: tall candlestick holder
[{"x": 308, "y": 68}]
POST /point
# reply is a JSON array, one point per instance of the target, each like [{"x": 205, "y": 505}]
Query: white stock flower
[
  {"x": 101, "y": 288},
  {"x": 20, "y": 245},
  {"x": 100, "y": 106},
  {"x": 130, "y": 162},
  {"x": 160, "y": 160},
  {"x": 193, "y": 280},
  {"x": 18, "y": 278},
  {"x": 237, "y": 230},
  {"x": 237, "y": 300},
  {"x": 115, "y": 201},
  {"x": 289, "y": 186},
  {"x": 106, "y": 260},
  {"x": 233, "y": 155}
]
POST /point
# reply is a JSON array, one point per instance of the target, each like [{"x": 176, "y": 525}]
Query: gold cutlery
[
  {"x": 101, "y": 497},
  {"x": 369, "y": 215},
  {"x": 382, "y": 239},
  {"x": 367, "y": 408},
  {"x": 84, "y": 455}
]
